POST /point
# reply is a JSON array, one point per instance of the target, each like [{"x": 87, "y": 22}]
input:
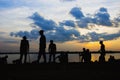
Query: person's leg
[
  {"x": 21, "y": 56},
  {"x": 50, "y": 57},
  {"x": 25, "y": 58},
  {"x": 39, "y": 56},
  {"x": 44, "y": 55},
  {"x": 103, "y": 57},
  {"x": 54, "y": 57}
]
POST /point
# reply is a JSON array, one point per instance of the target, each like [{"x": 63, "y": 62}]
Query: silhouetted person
[
  {"x": 88, "y": 56},
  {"x": 3, "y": 60},
  {"x": 42, "y": 46},
  {"x": 111, "y": 59},
  {"x": 102, "y": 52},
  {"x": 52, "y": 50},
  {"x": 63, "y": 58},
  {"x": 24, "y": 49},
  {"x": 83, "y": 55}
]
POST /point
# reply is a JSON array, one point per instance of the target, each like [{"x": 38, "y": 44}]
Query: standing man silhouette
[
  {"x": 24, "y": 49},
  {"x": 52, "y": 50},
  {"x": 102, "y": 52},
  {"x": 83, "y": 55},
  {"x": 88, "y": 56},
  {"x": 42, "y": 46}
]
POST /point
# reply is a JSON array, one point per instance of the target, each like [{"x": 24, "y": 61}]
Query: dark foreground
[{"x": 71, "y": 71}]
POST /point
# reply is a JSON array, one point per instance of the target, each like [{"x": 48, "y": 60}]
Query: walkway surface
[{"x": 57, "y": 71}]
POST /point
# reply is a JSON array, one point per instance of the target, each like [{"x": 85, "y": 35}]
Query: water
[{"x": 71, "y": 57}]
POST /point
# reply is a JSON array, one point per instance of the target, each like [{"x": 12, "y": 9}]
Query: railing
[{"x": 68, "y": 52}]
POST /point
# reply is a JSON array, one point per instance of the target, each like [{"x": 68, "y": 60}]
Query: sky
[{"x": 71, "y": 24}]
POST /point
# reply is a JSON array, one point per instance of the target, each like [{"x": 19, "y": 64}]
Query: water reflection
[{"x": 71, "y": 57}]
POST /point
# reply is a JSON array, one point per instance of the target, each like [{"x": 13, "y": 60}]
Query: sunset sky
[{"x": 72, "y": 24}]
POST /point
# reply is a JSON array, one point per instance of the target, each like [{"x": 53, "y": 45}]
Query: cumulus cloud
[
  {"x": 93, "y": 36},
  {"x": 83, "y": 22},
  {"x": 42, "y": 22},
  {"x": 67, "y": 23},
  {"x": 33, "y": 34},
  {"x": 117, "y": 21},
  {"x": 52, "y": 30},
  {"x": 77, "y": 13},
  {"x": 101, "y": 17},
  {"x": 59, "y": 33},
  {"x": 62, "y": 35}
]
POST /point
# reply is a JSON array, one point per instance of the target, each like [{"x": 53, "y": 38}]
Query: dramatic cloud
[
  {"x": 60, "y": 33},
  {"x": 42, "y": 22},
  {"x": 101, "y": 17},
  {"x": 83, "y": 22},
  {"x": 33, "y": 34},
  {"x": 68, "y": 23},
  {"x": 52, "y": 30},
  {"x": 93, "y": 36},
  {"x": 76, "y": 12},
  {"x": 117, "y": 21}
]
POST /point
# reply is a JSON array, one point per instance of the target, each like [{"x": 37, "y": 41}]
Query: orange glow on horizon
[
  {"x": 93, "y": 46},
  {"x": 112, "y": 45}
]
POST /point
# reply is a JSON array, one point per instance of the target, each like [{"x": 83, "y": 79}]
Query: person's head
[
  {"x": 24, "y": 37},
  {"x": 51, "y": 41},
  {"x": 87, "y": 50},
  {"x": 110, "y": 56},
  {"x": 6, "y": 56},
  {"x": 83, "y": 49},
  {"x": 101, "y": 42},
  {"x": 41, "y": 32}
]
